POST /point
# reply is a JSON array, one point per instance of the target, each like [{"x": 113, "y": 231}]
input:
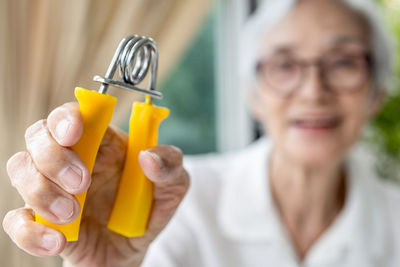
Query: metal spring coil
[{"x": 135, "y": 56}]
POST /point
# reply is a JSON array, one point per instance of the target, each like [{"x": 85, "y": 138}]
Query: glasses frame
[{"x": 319, "y": 64}]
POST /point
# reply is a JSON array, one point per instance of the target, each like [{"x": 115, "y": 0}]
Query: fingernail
[
  {"x": 62, "y": 129},
  {"x": 71, "y": 177},
  {"x": 155, "y": 157},
  {"x": 63, "y": 208},
  {"x": 50, "y": 242}
]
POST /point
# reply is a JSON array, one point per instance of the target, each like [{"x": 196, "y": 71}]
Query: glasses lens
[
  {"x": 281, "y": 73},
  {"x": 344, "y": 72}
]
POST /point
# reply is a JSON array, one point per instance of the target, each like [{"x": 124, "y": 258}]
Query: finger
[
  {"x": 163, "y": 165},
  {"x": 65, "y": 124},
  {"x": 44, "y": 196},
  {"x": 60, "y": 164},
  {"x": 35, "y": 238}
]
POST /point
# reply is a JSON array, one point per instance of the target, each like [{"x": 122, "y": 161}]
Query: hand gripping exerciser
[{"x": 132, "y": 206}]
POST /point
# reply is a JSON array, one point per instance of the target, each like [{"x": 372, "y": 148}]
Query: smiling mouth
[{"x": 327, "y": 123}]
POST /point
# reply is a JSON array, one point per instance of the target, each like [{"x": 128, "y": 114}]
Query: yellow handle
[
  {"x": 96, "y": 111},
  {"x": 134, "y": 198}
]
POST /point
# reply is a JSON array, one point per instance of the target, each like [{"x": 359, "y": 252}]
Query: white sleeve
[
  {"x": 174, "y": 247},
  {"x": 178, "y": 244}
]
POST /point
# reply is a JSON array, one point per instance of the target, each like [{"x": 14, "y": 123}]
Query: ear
[{"x": 377, "y": 103}]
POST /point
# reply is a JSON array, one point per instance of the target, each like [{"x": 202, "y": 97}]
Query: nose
[{"x": 313, "y": 86}]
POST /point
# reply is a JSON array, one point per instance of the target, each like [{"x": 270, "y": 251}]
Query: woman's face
[{"x": 315, "y": 112}]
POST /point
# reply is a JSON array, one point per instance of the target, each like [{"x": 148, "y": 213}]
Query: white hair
[{"x": 271, "y": 12}]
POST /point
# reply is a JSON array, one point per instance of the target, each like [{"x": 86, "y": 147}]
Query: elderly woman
[{"x": 318, "y": 71}]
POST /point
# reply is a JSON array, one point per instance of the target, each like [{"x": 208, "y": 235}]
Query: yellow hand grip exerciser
[{"x": 134, "y": 56}]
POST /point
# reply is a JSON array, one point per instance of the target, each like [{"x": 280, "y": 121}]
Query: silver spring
[{"x": 135, "y": 56}]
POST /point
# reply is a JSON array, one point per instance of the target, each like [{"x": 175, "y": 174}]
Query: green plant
[{"x": 384, "y": 133}]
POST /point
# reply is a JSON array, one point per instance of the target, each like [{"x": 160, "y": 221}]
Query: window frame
[{"x": 235, "y": 128}]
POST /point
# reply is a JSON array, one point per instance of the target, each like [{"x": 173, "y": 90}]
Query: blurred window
[
  {"x": 203, "y": 92},
  {"x": 189, "y": 93}
]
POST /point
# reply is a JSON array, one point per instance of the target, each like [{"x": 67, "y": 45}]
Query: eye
[
  {"x": 287, "y": 65},
  {"x": 343, "y": 63},
  {"x": 284, "y": 65}
]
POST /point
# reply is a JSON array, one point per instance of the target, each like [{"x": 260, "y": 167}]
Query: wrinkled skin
[{"x": 40, "y": 176}]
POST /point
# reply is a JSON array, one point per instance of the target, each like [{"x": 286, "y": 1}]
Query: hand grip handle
[
  {"x": 96, "y": 110},
  {"x": 134, "y": 198}
]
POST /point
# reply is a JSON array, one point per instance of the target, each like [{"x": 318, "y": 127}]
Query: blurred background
[
  {"x": 209, "y": 113},
  {"x": 383, "y": 135},
  {"x": 47, "y": 47}
]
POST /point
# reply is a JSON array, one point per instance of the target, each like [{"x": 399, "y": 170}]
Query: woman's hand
[{"x": 50, "y": 173}]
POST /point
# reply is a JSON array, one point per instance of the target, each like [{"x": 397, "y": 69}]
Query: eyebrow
[
  {"x": 342, "y": 40},
  {"x": 346, "y": 40},
  {"x": 284, "y": 49}
]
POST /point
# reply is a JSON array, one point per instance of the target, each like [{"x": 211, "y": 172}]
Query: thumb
[{"x": 163, "y": 166}]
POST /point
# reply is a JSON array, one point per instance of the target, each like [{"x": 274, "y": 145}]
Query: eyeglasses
[{"x": 339, "y": 72}]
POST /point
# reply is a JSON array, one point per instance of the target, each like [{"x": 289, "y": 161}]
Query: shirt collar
[
  {"x": 360, "y": 229},
  {"x": 247, "y": 213}
]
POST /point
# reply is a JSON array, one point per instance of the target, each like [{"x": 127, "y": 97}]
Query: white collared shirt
[{"x": 228, "y": 219}]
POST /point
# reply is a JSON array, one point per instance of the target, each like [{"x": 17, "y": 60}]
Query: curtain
[{"x": 48, "y": 47}]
